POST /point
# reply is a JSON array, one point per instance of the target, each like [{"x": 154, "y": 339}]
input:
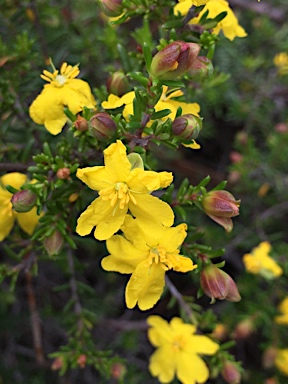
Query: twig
[
  {"x": 175, "y": 293},
  {"x": 74, "y": 292},
  {"x": 12, "y": 167},
  {"x": 35, "y": 321}
]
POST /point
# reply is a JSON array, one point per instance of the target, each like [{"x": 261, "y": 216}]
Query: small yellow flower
[
  {"x": 281, "y": 62},
  {"x": 281, "y": 361},
  {"x": 229, "y": 25},
  {"x": 147, "y": 257},
  {"x": 283, "y": 308},
  {"x": 27, "y": 220},
  {"x": 63, "y": 90},
  {"x": 121, "y": 189},
  {"x": 259, "y": 262},
  {"x": 178, "y": 350}
]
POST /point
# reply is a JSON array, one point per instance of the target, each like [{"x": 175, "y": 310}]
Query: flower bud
[
  {"x": 102, "y": 126},
  {"x": 23, "y": 201},
  {"x": 268, "y": 358},
  {"x": 187, "y": 126},
  {"x": 57, "y": 364},
  {"x": 118, "y": 84},
  {"x": 118, "y": 371},
  {"x": 174, "y": 60},
  {"x": 81, "y": 124},
  {"x": 53, "y": 243},
  {"x": 243, "y": 329},
  {"x": 220, "y": 206},
  {"x": 63, "y": 173},
  {"x": 217, "y": 284},
  {"x": 81, "y": 361},
  {"x": 112, "y": 8},
  {"x": 230, "y": 373},
  {"x": 202, "y": 67}
]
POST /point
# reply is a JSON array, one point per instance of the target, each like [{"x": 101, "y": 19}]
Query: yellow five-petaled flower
[
  {"x": 178, "y": 350},
  {"x": 122, "y": 189},
  {"x": 27, "y": 220},
  {"x": 147, "y": 258},
  {"x": 63, "y": 90}
]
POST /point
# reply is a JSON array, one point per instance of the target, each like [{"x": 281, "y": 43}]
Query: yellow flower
[
  {"x": 281, "y": 62},
  {"x": 259, "y": 262},
  {"x": 121, "y": 189},
  {"x": 229, "y": 25},
  {"x": 62, "y": 91},
  {"x": 147, "y": 257},
  {"x": 283, "y": 308},
  {"x": 178, "y": 350},
  {"x": 27, "y": 220},
  {"x": 166, "y": 102},
  {"x": 281, "y": 361}
]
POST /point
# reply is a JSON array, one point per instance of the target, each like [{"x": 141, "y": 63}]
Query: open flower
[
  {"x": 62, "y": 91},
  {"x": 147, "y": 257},
  {"x": 259, "y": 262},
  {"x": 27, "y": 220},
  {"x": 229, "y": 25},
  {"x": 122, "y": 188},
  {"x": 178, "y": 350},
  {"x": 283, "y": 308},
  {"x": 166, "y": 101},
  {"x": 281, "y": 360}
]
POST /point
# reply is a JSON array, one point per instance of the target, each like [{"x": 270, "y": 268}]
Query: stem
[
  {"x": 175, "y": 293},
  {"x": 35, "y": 320}
]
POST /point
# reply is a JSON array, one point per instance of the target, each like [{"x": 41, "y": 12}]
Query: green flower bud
[
  {"x": 187, "y": 127},
  {"x": 53, "y": 243},
  {"x": 112, "y": 8},
  {"x": 23, "y": 201},
  {"x": 202, "y": 67},
  {"x": 118, "y": 84},
  {"x": 217, "y": 284},
  {"x": 220, "y": 206},
  {"x": 174, "y": 60},
  {"x": 102, "y": 126}
]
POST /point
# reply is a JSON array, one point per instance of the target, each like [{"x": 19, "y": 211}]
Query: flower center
[
  {"x": 118, "y": 193},
  {"x": 67, "y": 72},
  {"x": 178, "y": 343},
  {"x": 160, "y": 255}
]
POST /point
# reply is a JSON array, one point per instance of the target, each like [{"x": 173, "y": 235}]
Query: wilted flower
[
  {"x": 259, "y": 262},
  {"x": 178, "y": 350},
  {"x": 102, "y": 126},
  {"x": 122, "y": 188},
  {"x": 174, "y": 60},
  {"x": 26, "y": 220},
  {"x": 220, "y": 206},
  {"x": 63, "y": 90},
  {"x": 217, "y": 284},
  {"x": 147, "y": 258}
]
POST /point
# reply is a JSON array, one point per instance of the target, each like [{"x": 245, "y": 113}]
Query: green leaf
[{"x": 160, "y": 114}]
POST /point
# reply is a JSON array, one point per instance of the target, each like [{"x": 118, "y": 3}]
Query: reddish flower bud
[
  {"x": 174, "y": 60},
  {"x": 202, "y": 67},
  {"x": 81, "y": 361},
  {"x": 81, "y": 124},
  {"x": 187, "y": 126},
  {"x": 243, "y": 329},
  {"x": 63, "y": 173},
  {"x": 53, "y": 243},
  {"x": 230, "y": 373},
  {"x": 112, "y": 8},
  {"x": 57, "y": 364},
  {"x": 23, "y": 201},
  {"x": 220, "y": 206},
  {"x": 217, "y": 284},
  {"x": 268, "y": 358},
  {"x": 118, "y": 84},
  {"x": 118, "y": 371},
  {"x": 102, "y": 126}
]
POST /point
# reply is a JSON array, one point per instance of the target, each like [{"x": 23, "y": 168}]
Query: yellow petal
[
  {"x": 173, "y": 237},
  {"x": 15, "y": 179},
  {"x": 96, "y": 178},
  {"x": 190, "y": 369},
  {"x": 160, "y": 332},
  {"x": 145, "y": 286},
  {"x": 153, "y": 180},
  {"x": 201, "y": 344},
  {"x": 116, "y": 162},
  {"x": 6, "y": 224},
  {"x": 192, "y": 145},
  {"x": 28, "y": 220},
  {"x": 162, "y": 364}
]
